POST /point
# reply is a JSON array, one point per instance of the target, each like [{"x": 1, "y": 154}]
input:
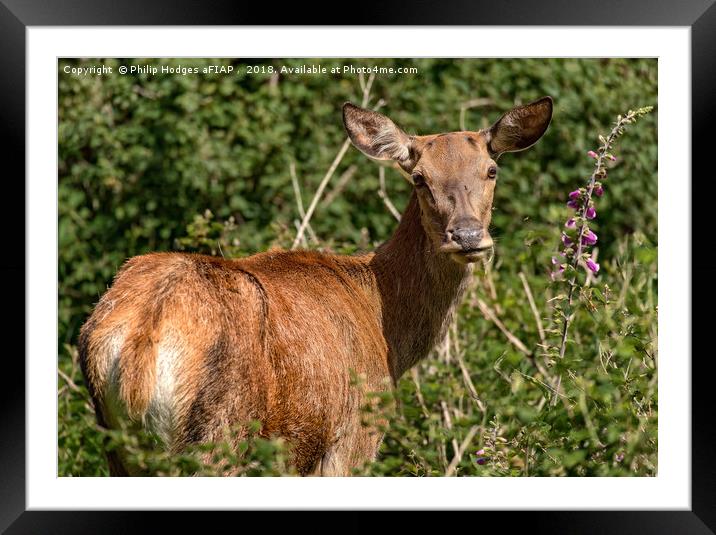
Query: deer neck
[{"x": 418, "y": 291}]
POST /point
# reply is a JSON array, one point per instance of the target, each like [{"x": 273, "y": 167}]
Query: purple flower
[
  {"x": 612, "y": 158},
  {"x": 566, "y": 240},
  {"x": 589, "y": 238},
  {"x": 592, "y": 154},
  {"x": 592, "y": 265},
  {"x": 591, "y": 213},
  {"x": 571, "y": 223},
  {"x": 480, "y": 459},
  {"x": 574, "y": 195},
  {"x": 573, "y": 204},
  {"x": 598, "y": 190}
]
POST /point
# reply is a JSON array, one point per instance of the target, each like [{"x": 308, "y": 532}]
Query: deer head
[{"x": 454, "y": 174}]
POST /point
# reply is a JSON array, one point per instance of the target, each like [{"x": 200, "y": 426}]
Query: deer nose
[{"x": 467, "y": 238}]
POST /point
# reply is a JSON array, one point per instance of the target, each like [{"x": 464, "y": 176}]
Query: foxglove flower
[
  {"x": 590, "y": 213},
  {"x": 571, "y": 223},
  {"x": 592, "y": 265},
  {"x": 592, "y": 154},
  {"x": 589, "y": 238},
  {"x": 566, "y": 240},
  {"x": 598, "y": 190},
  {"x": 574, "y": 195}
]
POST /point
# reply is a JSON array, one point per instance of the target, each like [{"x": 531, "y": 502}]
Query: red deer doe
[{"x": 188, "y": 345}]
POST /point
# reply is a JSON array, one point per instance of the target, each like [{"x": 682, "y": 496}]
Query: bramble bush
[{"x": 205, "y": 163}]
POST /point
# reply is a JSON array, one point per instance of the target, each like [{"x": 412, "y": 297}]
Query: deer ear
[
  {"x": 520, "y": 127},
  {"x": 375, "y": 135}
]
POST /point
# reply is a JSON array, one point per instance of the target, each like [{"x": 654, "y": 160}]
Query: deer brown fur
[{"x": 188, "y": 345}]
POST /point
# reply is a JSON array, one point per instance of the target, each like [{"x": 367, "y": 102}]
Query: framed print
[{"x": 426, "y": 248}]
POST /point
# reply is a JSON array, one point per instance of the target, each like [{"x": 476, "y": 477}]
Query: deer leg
[
  {"x": 116, "y": 468},
  {"x": 332, "y": 464},
  {"x": 348, "y": 452}
]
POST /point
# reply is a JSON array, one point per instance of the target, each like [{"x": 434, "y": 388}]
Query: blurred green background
[{"x": 201, "y": 162}]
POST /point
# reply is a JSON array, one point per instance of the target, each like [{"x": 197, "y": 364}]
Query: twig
[
  {"x": 337, "y": 160},
  {"x": 297, "y": 224},
  {"x": 366, "y": 87},
  {"x": 547, "y": 386},
  {"x": 469, "y": 384},
  {"x": 448, "y": 424},
  {"x": 474, "y": 103},
  {"x": 383, "y": 194},
  {"x": 340, "y": 185},
  {"x": 419, "y": 393},
  {"x": 69, "y": 381},
  {"x": 491, "y": 287},
  {"x": 489, "y": 314},
  {"x": 319, "y": 192},
  {"x": 461, "y": 451},
  {"x": 533, "y": 306},
  {"x": 299, "y": 199}
]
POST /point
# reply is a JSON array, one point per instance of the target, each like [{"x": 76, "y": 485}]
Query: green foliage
[
  {"x": 603, "y": 424},
  {"x": 243, "y": 452},
  {"x": 201, "y": 163}
]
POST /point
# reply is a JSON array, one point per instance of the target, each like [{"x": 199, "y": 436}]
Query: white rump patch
[{"x": 160, "y": 418}]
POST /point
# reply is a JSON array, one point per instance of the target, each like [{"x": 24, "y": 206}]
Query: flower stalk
[{"x": 581, "y": 200}]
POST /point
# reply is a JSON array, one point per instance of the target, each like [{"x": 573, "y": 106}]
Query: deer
[{"x": 186, "y": 345}]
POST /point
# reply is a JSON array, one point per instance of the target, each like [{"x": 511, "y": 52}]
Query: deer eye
[
  {"x": 418, "y": 180},
  {"x": 492, "y": 172}
]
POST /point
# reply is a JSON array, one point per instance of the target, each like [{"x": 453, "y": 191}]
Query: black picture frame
[{"x": 17, "y": 15}]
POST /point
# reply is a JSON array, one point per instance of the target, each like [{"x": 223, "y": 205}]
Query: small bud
[
  {"x": 576, "y": 194},
  {"x": 592, "y": 154},
  {"x": 557, "y": 273},
  {"x": 599, "y": 190},
  {"x": 590, "y": 213}
]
